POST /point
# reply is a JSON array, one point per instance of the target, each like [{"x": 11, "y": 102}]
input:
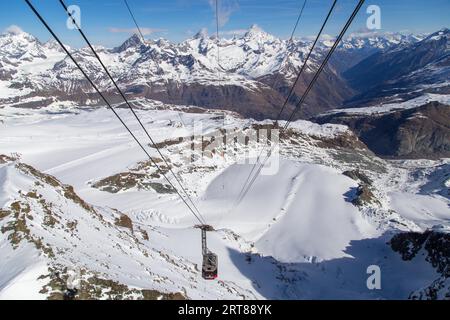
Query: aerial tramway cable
[
  {"x": 219, "y": 79},
  {"x": 129, "y": 105},
  {"x": 210, "y": 259},
  {"x": 43, "y": 21},
  {"x": 134, "y": 19},
  {"x": 291, "y": 40},
  {"x": 324, "y": 63},
  {"x": 291, "y": 91},
  {"x": 217, "y": 33},
  {"x": 310, "y": 86}
]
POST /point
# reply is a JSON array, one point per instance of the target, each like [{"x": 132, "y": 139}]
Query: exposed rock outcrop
[
  {"x": 422, "y": 132},
  {"x": 436, "y": 248}
]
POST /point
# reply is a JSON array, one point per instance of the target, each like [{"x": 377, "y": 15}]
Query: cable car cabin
[
  {"x": 210, "y": 260},
  {"x": 209, "y": 269}
]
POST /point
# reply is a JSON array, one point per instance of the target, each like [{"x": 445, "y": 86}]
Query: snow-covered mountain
[
  {"x": 402, "y": 102},
  {"x": 359, "y": 46},
  {"x": 19, "y": 50},
  {"x": 78, "y": 196},
  {"x": 252, "y": 76},
  {"x": 404, "y": 72},
  {"x": 378, "y": 40}
]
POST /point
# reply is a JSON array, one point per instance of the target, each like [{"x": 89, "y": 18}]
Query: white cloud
[
  {"x": 237, "y": 32},
  {"x": 363, "y": 33},
  {"x": 226, "y": 9},
  {"x": 145, "y": 31},
  {"x": 14, "y": 29},
  {"x": 322, "y": 37}
]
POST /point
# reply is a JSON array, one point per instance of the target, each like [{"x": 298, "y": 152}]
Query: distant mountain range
[
  {"x": 252, "y": 76},
  {"x": 406, "y": 71},
  {"x": 407, "y": 87}
]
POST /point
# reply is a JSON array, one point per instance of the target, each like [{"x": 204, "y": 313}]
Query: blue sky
[{"x": 108, "y": 22}]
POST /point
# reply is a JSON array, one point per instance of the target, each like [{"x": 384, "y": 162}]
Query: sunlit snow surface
[
  {"x": 295, "y": 235},
  {"x": 394, "y": 106}
]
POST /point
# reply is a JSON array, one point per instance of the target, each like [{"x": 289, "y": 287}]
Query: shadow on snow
[{"x": 340, "y": 278}]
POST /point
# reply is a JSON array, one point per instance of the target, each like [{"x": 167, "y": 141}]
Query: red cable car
[{"x": 210, "y": 260}]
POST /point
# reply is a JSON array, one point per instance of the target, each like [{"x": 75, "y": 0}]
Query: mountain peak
[
  {"x": 255, "y": 27},
  {"x": 134, "y": 41},
  {"x": 18, "y": 34},
  {"x": 202, "y": 34},
  {"x": 14, "y": 30},
  {"x": 53, "y": 45},
  {"x": 255, "y": 32}
]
